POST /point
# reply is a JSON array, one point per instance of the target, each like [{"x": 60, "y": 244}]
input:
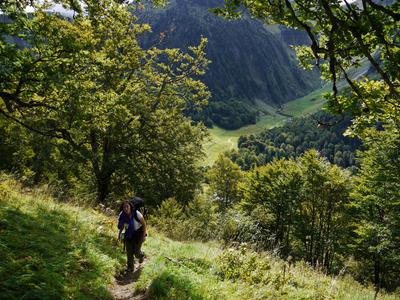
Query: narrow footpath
[{"x": 123, "y": 287}]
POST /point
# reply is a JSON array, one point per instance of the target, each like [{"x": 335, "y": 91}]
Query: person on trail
[{"x": 133, "y": 222}]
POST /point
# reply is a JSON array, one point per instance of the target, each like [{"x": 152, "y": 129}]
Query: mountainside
[{"x": 250, "y": 62}]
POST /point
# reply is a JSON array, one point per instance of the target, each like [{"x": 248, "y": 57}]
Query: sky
[{"x": 55, "y": 8}]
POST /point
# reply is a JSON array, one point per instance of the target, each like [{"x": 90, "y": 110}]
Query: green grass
[
  {"x": 51, "y": 250},
  {"x": 193, "y": 270},
  {"x": 308, "y": 104},
  {"x": 222, "y": 140}
]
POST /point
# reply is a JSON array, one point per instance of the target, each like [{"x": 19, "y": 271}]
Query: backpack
[{"x": 139, "y": 205}]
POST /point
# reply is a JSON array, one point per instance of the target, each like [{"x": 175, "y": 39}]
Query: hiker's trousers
[{"x": 133, "y": 246}]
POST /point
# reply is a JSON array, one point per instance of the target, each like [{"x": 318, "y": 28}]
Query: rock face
[{"x": 251, "y": 62}]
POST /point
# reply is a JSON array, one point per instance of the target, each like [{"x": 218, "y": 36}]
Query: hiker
[{"x": 133, "y": 222}]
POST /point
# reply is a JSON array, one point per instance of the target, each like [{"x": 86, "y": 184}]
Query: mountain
[{"x": 251, "y": 62}]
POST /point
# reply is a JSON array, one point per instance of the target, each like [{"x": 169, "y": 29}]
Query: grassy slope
[
  {"x": 222, "y": 140},
  {"x": 52, "y": 250},
  {"x": 190, "y": 270}
]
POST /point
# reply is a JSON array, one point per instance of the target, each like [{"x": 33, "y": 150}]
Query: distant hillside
[{"x": 250, "y": 62}]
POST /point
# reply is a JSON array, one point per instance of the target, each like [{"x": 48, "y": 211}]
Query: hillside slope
[
  {"x": 53, "y": 250},
  {"x": 250, "y": 62}
]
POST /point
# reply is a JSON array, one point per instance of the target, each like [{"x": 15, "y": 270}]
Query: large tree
[
  {"x": 224, "y": 178},
  {"x": 304, "y": 207},
  {"x": 88, "y": 84},
  {"x": 377, "y": 203}
]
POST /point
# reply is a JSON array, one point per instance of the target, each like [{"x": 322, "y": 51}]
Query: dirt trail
[{"x": 123, "y": 287}]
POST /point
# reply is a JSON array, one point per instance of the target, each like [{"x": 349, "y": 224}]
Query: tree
[
  {"x": 301, "y": 204},
  {"x": 322, "y": 219},
  {"x": 224, "y": 178},
  {"x": 274, "y": 189},
  {"x": 376, "y": 201},
  {"x": 87, "y": 83},
  {"x": 294, "y": 138}
]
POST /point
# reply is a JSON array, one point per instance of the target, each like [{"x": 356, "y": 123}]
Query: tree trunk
[
  {"x": 101, "y": 169},
  {"x": 377, "y": 273},
  {"x": 103, "y": 187}
]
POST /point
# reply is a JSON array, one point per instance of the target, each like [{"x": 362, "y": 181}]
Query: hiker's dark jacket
[{"x": 133, "y": 225}]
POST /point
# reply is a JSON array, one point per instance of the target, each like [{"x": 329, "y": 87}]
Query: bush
[
  {"x": 5, "y": 183},
  {"x": 196, "y": 221},
  {"x": 169, "y": 218},
  {"x": 201, "y": 219},
  {"x": 168, "y": 285},
  {"x": 245, "y": 265},
  {"x": 238, "y": 227}
]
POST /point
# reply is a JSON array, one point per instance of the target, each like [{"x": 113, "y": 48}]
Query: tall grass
[{"x": 193, "y": 270}]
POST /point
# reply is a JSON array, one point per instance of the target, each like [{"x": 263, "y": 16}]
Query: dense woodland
[
  {"x": 309, "y": 209},
  {"x": 84, "y": 108},
  {"x": 319, "y": 131},
  {"x": 228, "y": 114}
]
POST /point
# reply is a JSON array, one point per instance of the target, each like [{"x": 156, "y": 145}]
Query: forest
[
  {"x": 88, "y": 112},
  {"x": 320, "y": 131}
]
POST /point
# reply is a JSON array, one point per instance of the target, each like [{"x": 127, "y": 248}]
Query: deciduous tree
[
  {"x": 87, "y": 82},
  {"x": 224, "y": 178}
]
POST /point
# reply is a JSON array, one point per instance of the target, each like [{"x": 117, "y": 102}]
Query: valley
[{"x": 222, "y": 140}]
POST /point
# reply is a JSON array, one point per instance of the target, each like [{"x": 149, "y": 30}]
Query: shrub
[
  {"x": 245, "y": 265},
  {"x": 201, "y": 219},
  {"x": 238, "y": 227},
  {"x": 169, "y": 218},
  {"x": 168, "y": 285},
  {"x": 196, "y": 221}
]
